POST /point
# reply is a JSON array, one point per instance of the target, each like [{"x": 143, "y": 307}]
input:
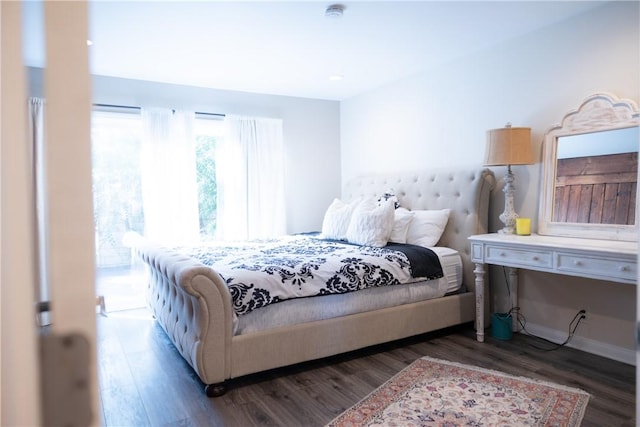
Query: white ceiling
[{"x": 290, "y": 47}]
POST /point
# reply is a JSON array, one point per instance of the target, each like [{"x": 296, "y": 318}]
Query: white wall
[
  {"x": 311, "y": 133},
  {"x": 440, "y": 117}
]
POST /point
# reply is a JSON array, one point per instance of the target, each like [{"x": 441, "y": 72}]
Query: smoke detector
[{"x": 334, "y": 11}]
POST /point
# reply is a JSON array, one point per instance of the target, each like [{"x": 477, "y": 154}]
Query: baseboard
[{"x": 600, "y": 348}]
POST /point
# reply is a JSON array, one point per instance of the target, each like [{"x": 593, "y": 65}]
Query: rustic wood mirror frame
[{"x": 597, "y": 113}]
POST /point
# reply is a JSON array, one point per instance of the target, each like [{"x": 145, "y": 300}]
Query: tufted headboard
[{"x": 465, "y": 191}]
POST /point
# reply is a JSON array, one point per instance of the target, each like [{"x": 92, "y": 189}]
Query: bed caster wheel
[{"x": 215, "y": 390}]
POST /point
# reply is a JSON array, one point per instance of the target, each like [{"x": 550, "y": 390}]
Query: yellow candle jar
[{"x": 523, "y": 226}]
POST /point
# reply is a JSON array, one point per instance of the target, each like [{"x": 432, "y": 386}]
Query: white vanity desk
[
  {"x": 589, "y": 188},
  {"x": 596, "y": 259}
]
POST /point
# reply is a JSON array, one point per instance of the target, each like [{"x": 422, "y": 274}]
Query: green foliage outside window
[
  {"x": 207, "y": 189},
  {"x": 117, "y": 193}
]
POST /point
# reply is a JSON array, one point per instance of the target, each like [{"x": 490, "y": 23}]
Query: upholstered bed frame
[{"x": 193, "y": 305}]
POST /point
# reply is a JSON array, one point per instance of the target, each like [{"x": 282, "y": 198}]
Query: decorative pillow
[
  {"x": 371, "y": 224},
  {"x": 427, "y": 226},
  {"x": 402, "y": 220},
  {"x": 389, "y": 195},
  {"x": 336, "y": 219}
]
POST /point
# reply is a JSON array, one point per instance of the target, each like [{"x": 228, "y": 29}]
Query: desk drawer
[
  {"x": 518, "y": 257},
  {"x": 597, "y": 267}
]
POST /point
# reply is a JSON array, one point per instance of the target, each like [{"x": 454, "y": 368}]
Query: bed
[{"x": 194, "y": 306}]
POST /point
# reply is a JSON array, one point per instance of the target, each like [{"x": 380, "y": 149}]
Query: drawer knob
[
  {"x": 623, "y": 268},
  {"x": 577, "y": 263},
  {"x": 535, "y": 258}
]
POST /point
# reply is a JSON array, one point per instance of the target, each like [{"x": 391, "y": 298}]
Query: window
[
  {"x": 116, "y": 139},
  {"x": 117, "y": 195},
  {"x": 117, "y": 192},
  {"x": 208, "y": 130}
]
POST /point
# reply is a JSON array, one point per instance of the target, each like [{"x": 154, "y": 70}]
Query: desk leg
[
  {"x": 512, "y": 274},
  {"x": 479, "y": 272}
]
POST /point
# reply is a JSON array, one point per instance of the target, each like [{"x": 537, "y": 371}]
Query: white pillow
[
  {"x": 336, "y": 219},
  {"x": 402, "y": 220},
  {"x": 371, "y": 224},
  {"x": 427, "y": 226}
]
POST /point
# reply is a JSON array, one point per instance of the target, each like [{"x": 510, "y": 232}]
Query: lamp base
[
  {"x": 509, "y": 216},
  {"x": 507, "y": 230}
]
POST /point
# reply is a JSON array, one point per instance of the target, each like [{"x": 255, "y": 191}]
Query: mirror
[{"x": 590, "y": 172}]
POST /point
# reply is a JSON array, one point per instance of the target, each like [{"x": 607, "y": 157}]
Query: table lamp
[{"x": 506, "y": 147}]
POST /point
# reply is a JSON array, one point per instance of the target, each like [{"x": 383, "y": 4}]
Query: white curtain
[
  {"x": 36, "y": 113},
  {"x": 169, "y": 185},
  {"x": 250, "y": 179}
]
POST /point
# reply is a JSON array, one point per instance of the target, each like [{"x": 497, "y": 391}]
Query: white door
[
  {"x": 20, "y": 397},
  {"x": 69, "y": 223}
]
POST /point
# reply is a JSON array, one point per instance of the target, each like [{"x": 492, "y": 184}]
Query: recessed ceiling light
[{"x": 336, "y": 77}]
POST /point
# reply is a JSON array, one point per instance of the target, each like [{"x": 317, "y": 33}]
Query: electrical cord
[
  {"x": 506, "y": 281},
  {"x": 520, "y": 319},
  {"x": 573, "y": 326}
]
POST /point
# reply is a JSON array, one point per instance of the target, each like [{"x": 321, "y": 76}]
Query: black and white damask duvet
[{"x": 268, "y": 271}]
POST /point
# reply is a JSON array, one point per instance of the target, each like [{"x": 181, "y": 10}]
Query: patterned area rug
[{"x": 432, "y": 392}]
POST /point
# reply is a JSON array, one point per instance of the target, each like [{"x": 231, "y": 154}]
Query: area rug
[{"x": 432, "y": 392}]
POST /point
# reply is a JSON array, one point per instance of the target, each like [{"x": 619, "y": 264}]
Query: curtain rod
[
  {"x": 140, "y": 108},
  {"x": 210, "y": 114},
  {"x": 117, "y": 106}
]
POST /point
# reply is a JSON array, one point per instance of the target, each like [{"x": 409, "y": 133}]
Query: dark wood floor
[{"x": 144, "y": 381}]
